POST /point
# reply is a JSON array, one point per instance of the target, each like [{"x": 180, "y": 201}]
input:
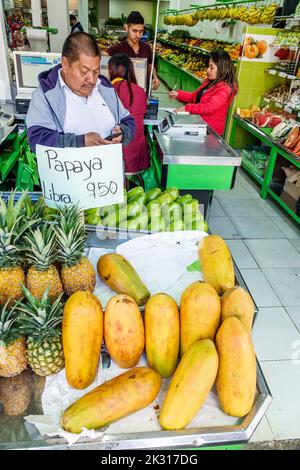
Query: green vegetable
[
  {"x": 157, "y": 225},
  {"x": 93, "y": 219},
  {"x": 134, "y": 209},
  {"x": 152, "y": 194},
  {"x": 140, "y": 198},
  {"x": 114, "y": 218},
  {"x": 154, "y": 209},
  {"x": 164, "y": 198},
  {"x": 134, "y": 192},
  {"x": 172, "y": 211},
  {"x": 175, "y": 225},
  {"x": 138, "y": 223},
  {"x": 173, "y": 192},
  {"x": 184, "y": 199}
]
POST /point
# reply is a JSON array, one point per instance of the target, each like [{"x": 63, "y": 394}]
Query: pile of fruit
[
  {"x": 267, "y": 119},
  {"x": 206, "y": 341},
  {"x": 253, "y": 15},
  {"x": 196, "y": 63},
  {"x": 292, "y": 141},
  {"x": 279, "y": 94},
  {"x": 247, "y": 113},
  {"x": 153, "y": 211},
  {"x": 287, "y": 38}
]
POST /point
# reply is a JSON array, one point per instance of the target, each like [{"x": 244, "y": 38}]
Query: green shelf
[{"x": 276, "y": 149}]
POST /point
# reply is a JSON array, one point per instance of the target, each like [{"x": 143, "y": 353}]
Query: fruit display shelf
[
  {"x": 276, "y": 150},
  {"x": 142, "y": 433},
  {"x": 187, "y": 47},
  {"x": 282, "y": 74}
]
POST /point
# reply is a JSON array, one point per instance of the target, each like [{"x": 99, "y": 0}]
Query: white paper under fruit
[{"x": 161, "y": 260}]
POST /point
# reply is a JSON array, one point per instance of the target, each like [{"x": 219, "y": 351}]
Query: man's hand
[
  {"x": 93, "y": 138},
  {"x": 116, "y": 140},
  {"x": 173, "y": 94},
  {"x": 155, "y": 83}
]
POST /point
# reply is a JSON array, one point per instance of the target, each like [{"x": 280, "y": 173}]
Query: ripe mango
[
  {"x": 216, "y": 263},
  {"x": 162, "y": 333},
  {"x": 236, "y": 379},
  {"x": 124, "y": 331},
  {"x": 237, "y": 302},
  {"x": 190, "y": 386},
  {"x": 117, "y": 272},
  {"x": 200, "y": 310},
  {"x": 82, "y": 334},
  {"x": 119, "y": 397}
]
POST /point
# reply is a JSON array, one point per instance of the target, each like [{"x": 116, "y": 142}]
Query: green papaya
[
  {"x": 157, "y": 225},
  {"x": 184, "y": 199},
  {"x": 172, "y": 211},
  {"x": 174, "y": 192},
  {"x": 175, "y": 225},
  {"x": 134, "y": 209},
  {"x": 140, "y": 198},
  {"x": 138, "y": 223},
  {"x": 134, "y": 192},
  {"x": 154, "y": 209},
  {"x": 152, "y": 194},
  {"x": 164, "y": 198}
]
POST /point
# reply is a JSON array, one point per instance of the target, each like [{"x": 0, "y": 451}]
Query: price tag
[
  {"x": 272, "y": 72},
  {"x": 87, "y": 176},
  {"x": 282, "y": 75}
]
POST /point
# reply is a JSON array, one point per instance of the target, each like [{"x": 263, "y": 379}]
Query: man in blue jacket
[{"x": 73, "y": 105}]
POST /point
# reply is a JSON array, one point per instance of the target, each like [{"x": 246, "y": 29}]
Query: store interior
[{"x": 245, "y": 181}]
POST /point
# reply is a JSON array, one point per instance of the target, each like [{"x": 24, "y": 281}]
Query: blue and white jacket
[{"x": 47, "y": 111}]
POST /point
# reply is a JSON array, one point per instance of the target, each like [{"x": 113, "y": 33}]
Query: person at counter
[
  {"x": 134, "y": 99},
  {"x": 213, "y": 98},
  {"x": 133, "y": 46},
  {"x": 73, "y": 105}
]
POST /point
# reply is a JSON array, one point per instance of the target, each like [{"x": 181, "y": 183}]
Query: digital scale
[
  {"x": 189, "y": 126},
  {"x": 6, "y": 119}
]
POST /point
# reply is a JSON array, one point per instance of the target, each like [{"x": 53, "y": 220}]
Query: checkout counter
[{"x": 194, "y": 158}]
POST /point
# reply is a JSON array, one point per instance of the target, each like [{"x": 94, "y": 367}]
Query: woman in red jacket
[
  {"x": 214, "y": 96},
  {"x": 134, "y": 99}
]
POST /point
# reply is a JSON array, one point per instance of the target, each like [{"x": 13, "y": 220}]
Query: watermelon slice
[
  {"x": 263, "y": 120},
  {"x": 274, "y": 121}
]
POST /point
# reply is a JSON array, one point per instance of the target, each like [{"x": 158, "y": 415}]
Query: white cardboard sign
[{"x": 89, "y": 176}]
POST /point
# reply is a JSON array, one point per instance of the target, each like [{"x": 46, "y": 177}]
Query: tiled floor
[{"x": 265, "y": 245}]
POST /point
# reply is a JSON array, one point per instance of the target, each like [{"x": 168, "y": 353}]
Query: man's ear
[
  {"x": 126, "y": 27},
  {"x": 64, "y": 64}
]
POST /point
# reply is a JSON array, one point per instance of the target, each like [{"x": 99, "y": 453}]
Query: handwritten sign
[{"x": 89, "y": 176}]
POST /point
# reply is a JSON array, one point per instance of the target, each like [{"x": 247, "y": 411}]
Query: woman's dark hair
[
  {"x": 225, "y": 70},
  {"x": 120, "y": 66}
]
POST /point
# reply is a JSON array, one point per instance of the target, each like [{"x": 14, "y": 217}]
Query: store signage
[{"x": 88, "y": 176}]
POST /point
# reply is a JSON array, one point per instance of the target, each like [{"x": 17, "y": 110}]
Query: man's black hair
[
  {"x": 73, "y": 18},
  {"x": 135, "y": 18},
  {"x": 80, "y": 43}
]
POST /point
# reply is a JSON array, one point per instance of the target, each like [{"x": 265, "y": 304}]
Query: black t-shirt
[
  {"x": 124, "y": 48},
  {"x": 201, "y": 92}
]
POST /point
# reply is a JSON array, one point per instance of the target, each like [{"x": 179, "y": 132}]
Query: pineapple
[
  {"x": 15, "y": 393},
  {"x": 77, "y": 272},
  {"x": 13, "y": 225},
  {"x": 41, "y": 321},
  {"x": 41, "y": 254},
  {"x": 13, "y": 358}
]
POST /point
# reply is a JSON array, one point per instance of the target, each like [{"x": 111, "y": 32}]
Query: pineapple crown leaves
[
  {"x": 13, "y": 225},
  {"x": 41, "y": 247},
  {"x": 9, "y": 323},
  {"x": 40, "y": 319},
  {"x": 70, "y": 233}
]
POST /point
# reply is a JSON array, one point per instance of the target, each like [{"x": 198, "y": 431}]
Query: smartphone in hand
[{"x": 112, "y": 136}]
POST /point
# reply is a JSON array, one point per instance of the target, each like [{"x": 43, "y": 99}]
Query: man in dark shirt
[
  {"x": 133, "y": 46},
  {"x": 75, "y": 24}
]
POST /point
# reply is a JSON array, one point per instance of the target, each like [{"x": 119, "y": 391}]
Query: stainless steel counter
[{"x": 212, "y": 150}]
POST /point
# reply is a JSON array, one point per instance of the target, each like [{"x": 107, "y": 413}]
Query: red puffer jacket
[{"x": 213, "y": 106}]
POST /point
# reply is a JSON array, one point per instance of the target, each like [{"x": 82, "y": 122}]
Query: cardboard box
[{"x": 292, "y": 182}]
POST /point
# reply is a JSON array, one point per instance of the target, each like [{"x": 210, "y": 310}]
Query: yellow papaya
[
  {"x": 82, "y": 334},
  {"x": 116, "y": 271},
  {"x": 115, "y": 399},
  {"x": 190, "y": 385},
  {"x": 162, "y": 333},
  {"x": 216, "y": 263},
  {"x": 200, "y": 310},
  {"x": 124, "y": 334},
  {"x": 236, "y": 379},
  {"x": 237, "y": 302}
]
